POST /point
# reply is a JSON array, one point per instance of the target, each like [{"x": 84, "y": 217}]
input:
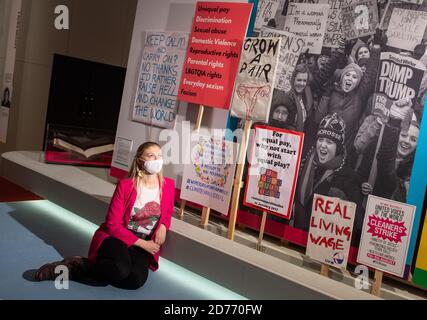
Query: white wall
[
  {"x": 167, "y": 15},
  {"x": 100, "y": 30}
]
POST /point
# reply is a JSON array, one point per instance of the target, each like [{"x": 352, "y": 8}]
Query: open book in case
[{"x": 79, "y": 146}]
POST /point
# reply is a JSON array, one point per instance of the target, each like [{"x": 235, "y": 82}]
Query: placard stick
[
  {"x": 261, "y": 230},
  {"x": 324, "y": 270},
  {"x": 196, "y": 129},
  {"x": 238, "y": 180},
  {"x": 376, "y": 286},
  {"x": 205, "y": 217}
]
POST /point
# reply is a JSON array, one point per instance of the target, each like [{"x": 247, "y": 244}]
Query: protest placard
[
  {"x": 406, "y": 28},
  {"x": 160, "y": 71},
  {"x": 308, "y": 21},
  {"x": 265, "y": 12},
  {"x": 331, "y": 227},
  {"x": 213, "y": 54},
  {"x": 386, "y": 233},
  {"x": 208, "y": 180},
  {"x": 359, "y": 19},
  {"x": 273, "y": 171},
  {"x": 255, "y": 79},
  {"x": 290, "y": 51},
  {"x": 398, "y": 77}
]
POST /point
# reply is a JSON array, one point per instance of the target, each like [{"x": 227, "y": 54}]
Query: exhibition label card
[
  {"x": 273, "y": 170},
  {"x": 161, "y": 67},
  {"x": 386, "y": 234},
  {"x": 254, "y": 85},
  {"x": 331, "y": 227},
  {"x": 213, "y": 53}
]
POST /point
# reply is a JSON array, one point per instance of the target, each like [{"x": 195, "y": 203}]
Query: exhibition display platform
[
  {"x": 77, "y": 201},
  {"x": 36, "y": 232}
]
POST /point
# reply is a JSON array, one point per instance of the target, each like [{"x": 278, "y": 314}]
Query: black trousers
[{"x": 120, "y": 266}]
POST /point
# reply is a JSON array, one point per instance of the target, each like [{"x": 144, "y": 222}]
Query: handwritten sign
[
  {"x": 266, "y": 11},
  {"x": 255, "y": 80},
  {"x": 213, "y": 53},
  {"x": 273, "y": 171},
  {"x": 208, "y": 179},
  {"x": 359, "y": 19},
  {"x": 331, "y": 227},
  {"x": 406, "y": 28},
  {"x": 385, "y": 236},
  {"x": 334, "y": 25},
  {"x": 290, "y": 51},
  {"x": 161, "y": 67},
  {"x": 308, "y": 21}
]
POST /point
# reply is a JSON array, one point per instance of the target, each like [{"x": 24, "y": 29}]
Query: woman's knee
[
  {"x": 113, "y": 271},
  {"x": 121, "y": 270},
  {"x": 134, "y": 281}
]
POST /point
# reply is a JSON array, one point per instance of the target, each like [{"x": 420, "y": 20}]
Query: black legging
[{"x": 120, "y": 266}]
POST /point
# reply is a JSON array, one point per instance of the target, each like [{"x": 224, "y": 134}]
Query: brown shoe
[{"x": 75, "y": 265}]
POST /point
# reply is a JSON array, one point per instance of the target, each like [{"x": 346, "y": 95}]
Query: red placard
[
  {"x": 213, "y": 53},
  {"x": 276, "y": 184}
]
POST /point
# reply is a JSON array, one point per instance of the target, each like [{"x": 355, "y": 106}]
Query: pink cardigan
[{"x": 119, "y": 213}]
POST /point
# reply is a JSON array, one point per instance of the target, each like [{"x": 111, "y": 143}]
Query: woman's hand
[
  {"x": 367, "y": 188},
  {"x": 160, "y": 236},
  {"x": 149, "y": 246}
]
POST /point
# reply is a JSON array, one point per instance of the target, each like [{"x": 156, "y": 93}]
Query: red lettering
[
  {"x": 328, "y": 207},
  {"x": 319, "y": 204},
  {"x": 313, "y": 224}
]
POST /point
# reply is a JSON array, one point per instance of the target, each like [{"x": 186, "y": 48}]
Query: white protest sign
[
  {"x": 273, "y": 171},
  {"x": 208, "y": 180},
  {"x": 331, "y": 227},
  {"x": 359, "y": 19},
  {"x": 386, "y": 234},
  {"x": 290, "y": 51},
  {"x": 334, "y": 26},
  {"x": 158, "y": 79},
  {"x": 253, "y": 89},
  {"x": 406, "y": 28},
  {"x": 266, "y": 11},
  {"x": 308, "y": 21}
]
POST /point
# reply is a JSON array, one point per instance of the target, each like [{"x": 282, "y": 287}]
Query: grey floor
[{"x": 35, "y": 232}]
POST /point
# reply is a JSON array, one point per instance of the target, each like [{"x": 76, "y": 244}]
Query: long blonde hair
[{"x": 137, "y": 171}]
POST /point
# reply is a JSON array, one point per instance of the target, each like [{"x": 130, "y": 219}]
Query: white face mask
[{"x": 153, "y": 166}]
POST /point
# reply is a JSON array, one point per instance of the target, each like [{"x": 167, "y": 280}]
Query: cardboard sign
[
  {"x": 308, "y": 21},
  {"x": 161, "y": 68},
  {"x": 213, "y": 53},
  {"x": 398, "y": 77},
  {"x": 265, "y": 12},
  {"x": 273, "y": 170},
  {"x": 331, "y": 227},
  {"x": 334, "y": 25},
  {"x": 290, "y": 51},
  {"x": 359, "y": 19},
  {"x": 386, "y": 233},
  {"x": 255, "y": 79},
  {"x": 406, "y": 28},
  {"x": 208, "y": 180}
]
